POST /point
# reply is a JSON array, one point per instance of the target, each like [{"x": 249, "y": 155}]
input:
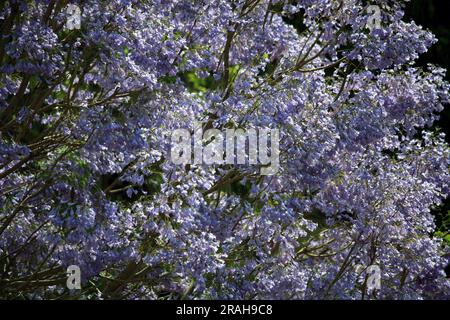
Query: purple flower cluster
[{"x": 85, "y": 171}]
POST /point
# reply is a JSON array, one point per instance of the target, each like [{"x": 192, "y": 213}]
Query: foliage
[{"x": 86, "y": 177}]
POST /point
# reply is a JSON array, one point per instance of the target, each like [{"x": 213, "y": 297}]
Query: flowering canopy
[{"x": 85, "y": 177}]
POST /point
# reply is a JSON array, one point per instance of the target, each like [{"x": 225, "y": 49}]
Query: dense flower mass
[{"x": 86, "y": 177}]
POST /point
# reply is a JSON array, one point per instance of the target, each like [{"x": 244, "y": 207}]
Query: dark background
[{"x": 435, "y": 16}]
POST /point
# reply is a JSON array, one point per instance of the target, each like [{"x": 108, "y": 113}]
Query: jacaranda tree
[{"x": 86, "y": 177}]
